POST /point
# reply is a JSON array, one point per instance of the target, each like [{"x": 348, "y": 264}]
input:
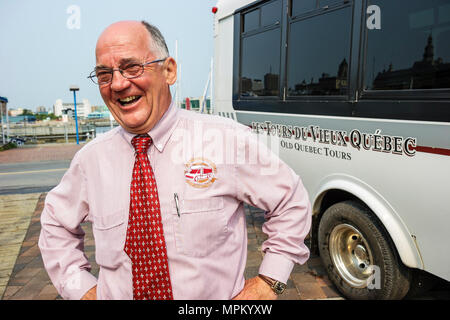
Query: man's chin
[{"x": 140, "y": 128}]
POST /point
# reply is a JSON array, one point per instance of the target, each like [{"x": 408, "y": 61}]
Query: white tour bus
[{"x": 358, "y": 92}]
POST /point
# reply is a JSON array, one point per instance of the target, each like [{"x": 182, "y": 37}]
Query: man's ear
[{"x": 170, "y": 70}]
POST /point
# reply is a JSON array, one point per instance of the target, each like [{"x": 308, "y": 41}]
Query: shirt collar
[{"x": 162, "y": 131}]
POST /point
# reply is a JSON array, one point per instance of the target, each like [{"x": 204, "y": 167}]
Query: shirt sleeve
[
  {"x": 266, "y": 182},
  {"x": 61, "y": 239}
]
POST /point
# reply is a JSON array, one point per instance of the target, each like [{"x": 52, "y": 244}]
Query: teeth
[{"x": 128, "y": 99}]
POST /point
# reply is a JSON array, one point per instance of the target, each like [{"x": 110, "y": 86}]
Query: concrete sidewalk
[{"x": 24, "y": 277}]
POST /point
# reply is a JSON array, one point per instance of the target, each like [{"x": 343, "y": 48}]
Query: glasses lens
[
  {"x": 133, "y": 71},
  {"x": 104, "y": 77}
]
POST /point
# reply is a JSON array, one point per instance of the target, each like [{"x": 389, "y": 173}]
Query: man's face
[{"x": 136, "y": 104}]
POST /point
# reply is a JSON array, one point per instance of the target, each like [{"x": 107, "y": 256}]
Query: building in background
[
  {"x": 83, "y": 108},
  {"x": 22, "y": 119},
  {"x": 41, "y": 110},
  {"x": 99, "y": 109},
  {"x": 15, "y": 112},
  {"x": 99, "y": 112}
]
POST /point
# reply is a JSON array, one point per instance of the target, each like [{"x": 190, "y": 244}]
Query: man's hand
[
  {"x": 256, "y": 289},
  {"x": 91, "y": 294}
]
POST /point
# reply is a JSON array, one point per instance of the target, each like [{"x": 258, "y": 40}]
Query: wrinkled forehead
[{"x": 131, "y": 38}]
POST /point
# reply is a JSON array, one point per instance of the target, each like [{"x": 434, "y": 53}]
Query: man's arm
[
  {"x": 266, "y": 182},
  {"x": 62, "y": 239}
]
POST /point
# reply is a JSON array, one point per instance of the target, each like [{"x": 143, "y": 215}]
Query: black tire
[{"x": 358, "y": 240}]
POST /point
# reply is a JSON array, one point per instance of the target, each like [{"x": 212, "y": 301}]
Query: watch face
[{"x": 279, "y": 287}]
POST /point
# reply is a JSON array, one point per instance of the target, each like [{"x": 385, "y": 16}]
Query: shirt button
[{"x": 159, "y": 146}]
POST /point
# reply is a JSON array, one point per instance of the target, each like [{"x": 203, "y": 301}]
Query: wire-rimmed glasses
[{"x": 102, "y": 76}]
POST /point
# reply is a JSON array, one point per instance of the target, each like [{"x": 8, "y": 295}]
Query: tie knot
[{"x": 141, "y": 143}]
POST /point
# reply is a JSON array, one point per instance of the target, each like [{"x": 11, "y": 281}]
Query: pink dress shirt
[{"x": 213, "y": 165}]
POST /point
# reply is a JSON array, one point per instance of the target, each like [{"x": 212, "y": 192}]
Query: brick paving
[
  {"x": 29, "y": 280},
  {"x": 307, "y": 282},
  {"x": 15, "y": 215},
  {"x": 40, "y": 152}
]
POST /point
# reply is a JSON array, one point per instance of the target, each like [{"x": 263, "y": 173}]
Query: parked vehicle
[
  {"x": 358, "y": 93},
  {"x": 19, "y": 141}
]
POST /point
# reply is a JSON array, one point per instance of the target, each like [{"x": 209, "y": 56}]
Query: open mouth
[{"x": 128, "y": 100}]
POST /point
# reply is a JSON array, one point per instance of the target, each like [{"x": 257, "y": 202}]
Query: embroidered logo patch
[{"x": 200, "y": 173}]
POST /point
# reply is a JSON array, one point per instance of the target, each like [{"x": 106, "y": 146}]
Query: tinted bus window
[
  {"x": 261, "y": 52},
  {"x": 260, "y": 64},
  {"x": 408, "y": 45},
  {"x": 271, "y": 13},
  {"x": 251, "y": 20},
  {"x": 302, "y": 6},
  {"x": 324, "y": 3},
  {"x": 318, "y": 54}
]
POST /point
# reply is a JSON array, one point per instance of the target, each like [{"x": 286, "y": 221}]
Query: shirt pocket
[
  {"x": 110, "y": 233},
  {"x": 200, "y": 227}
]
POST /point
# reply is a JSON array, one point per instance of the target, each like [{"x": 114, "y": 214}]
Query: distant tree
[
  {"x": 45, "y": 116},
  {"x": 53, "y": 117},
  {"x": 27, "y": 112}
]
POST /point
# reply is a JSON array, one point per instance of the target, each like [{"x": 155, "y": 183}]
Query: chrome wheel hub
[{"x": 351, "y": 255}]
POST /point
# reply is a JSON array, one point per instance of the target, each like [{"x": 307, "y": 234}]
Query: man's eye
[
  {"x": 133, "y": 69},
  {"x": 103, "y": 75}
]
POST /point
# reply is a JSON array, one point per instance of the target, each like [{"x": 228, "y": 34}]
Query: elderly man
[{"x": 165, "y": 193}]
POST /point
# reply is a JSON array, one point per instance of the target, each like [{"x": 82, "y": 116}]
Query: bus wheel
[{"x": 358, "y": 254}]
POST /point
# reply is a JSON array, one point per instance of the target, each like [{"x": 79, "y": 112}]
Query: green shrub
[{"x": 9, "y": 145}]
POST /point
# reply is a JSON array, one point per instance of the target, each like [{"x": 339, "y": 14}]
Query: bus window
[
  {"x": 251, "y": 20},
  {"x": 271, "y": 14},
  {"x": 311, "y": 69},
  {"x": 261, "y": 53},
  {"x": 303, "y": 6},
  {"x": 408, "y": 45},
  {"x": 325, "y": 3}
]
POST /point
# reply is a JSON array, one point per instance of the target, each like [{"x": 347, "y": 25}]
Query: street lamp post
[
  {"x": 3, "y": 111},
  {"x": 75, "y": 89}
]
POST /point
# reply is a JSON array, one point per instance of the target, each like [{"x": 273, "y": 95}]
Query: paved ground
[
  {"x": 31, "y": 177},
  {"x": 40, "y": 152},
  {"x": 15, "y": 214},
  {"x": 34, "y": 168}
]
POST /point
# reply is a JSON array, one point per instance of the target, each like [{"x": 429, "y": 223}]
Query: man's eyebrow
[
  {"x": 122, "y": 63},
  {"x": 101, "y": 66},
  {"x": 126, "y": 61}
]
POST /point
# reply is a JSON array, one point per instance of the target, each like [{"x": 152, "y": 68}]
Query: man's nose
[{"x": 118, "y": 81}]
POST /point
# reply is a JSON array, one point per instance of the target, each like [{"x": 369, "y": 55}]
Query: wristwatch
[{"x": 277, "y": 286}]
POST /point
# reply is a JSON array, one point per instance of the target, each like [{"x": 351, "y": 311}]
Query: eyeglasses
[{"x": 102, "y": 76}]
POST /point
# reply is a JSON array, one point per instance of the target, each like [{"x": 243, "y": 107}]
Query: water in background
[{"x": 101, "y": 130}]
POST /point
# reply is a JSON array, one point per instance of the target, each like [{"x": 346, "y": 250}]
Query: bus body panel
[
  {"x": 223, "y": 57},
  {"x": 394, "y": 184}
]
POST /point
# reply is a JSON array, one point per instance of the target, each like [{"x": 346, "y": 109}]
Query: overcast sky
[{"x": 45, "y": 48}]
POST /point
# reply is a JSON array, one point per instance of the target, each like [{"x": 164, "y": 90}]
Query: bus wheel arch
[{"x": 337, "y": 189}]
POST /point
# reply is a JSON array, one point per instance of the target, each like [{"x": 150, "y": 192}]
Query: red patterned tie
[{"x": 145, "y": 244}]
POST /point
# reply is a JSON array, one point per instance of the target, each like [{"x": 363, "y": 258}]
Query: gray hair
[{"x": 159, "y": 46}]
